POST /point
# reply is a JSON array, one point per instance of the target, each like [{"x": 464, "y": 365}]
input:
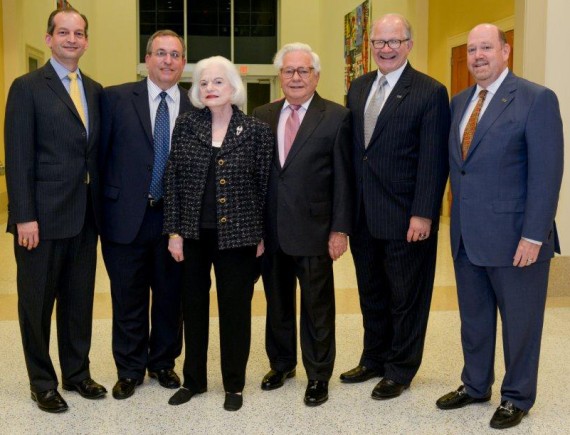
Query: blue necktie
[{"x": 161, "y": 147}]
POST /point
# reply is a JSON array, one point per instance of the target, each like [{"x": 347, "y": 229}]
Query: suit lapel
[
  {"x": 395, "y": 98},
  {"x": 501, "y": 100},
  {"x": 55, "y": 84},
  {"x": 142, "y": 108},
  {"x": 237, "y": 132},
  {"x": 311, "y": 120},
  {"x": 185, "y": 104},
  {"x": 92, "y": 107},
  {"x": 461, "y": 105},
  {"x": 362, "y": 98},
  {"x": 274, "y": 112}
]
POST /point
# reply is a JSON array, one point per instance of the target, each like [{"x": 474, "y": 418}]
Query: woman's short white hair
[
  {"x": 296, "y": 46},
  {"x": 231, "y": 74}
]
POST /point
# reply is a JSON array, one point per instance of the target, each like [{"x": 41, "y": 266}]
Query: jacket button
[
  {"x": 223, "y": 181},
  {"x": 221, "y": 162},
  {"x": 223, "y": 220},
  {"x": 365, "y": 158},
  {"x": 222, "y": 200},
  {"x": 462, "y": 172}
]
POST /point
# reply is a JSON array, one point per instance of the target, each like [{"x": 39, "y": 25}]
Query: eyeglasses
[
  {"x": 304, "y": 73},
  {"x": 392, "y": 43},
  {"x": 161, "y": 54}
]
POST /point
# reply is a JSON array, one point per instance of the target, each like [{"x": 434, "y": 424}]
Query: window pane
[
  {"x": 208, "y": 29},
  {"x": 156, "y": 15}
]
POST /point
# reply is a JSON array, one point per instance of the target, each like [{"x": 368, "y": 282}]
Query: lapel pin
[
  {"x": 239, "y": 130},
  {"x": 398, "y": 96},
  {"x": 504, "y": 100}
]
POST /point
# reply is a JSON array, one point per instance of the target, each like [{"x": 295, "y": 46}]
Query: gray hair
[
  {"x": 404, "y": 20},
  {"x": 296, "y": 46},
  {"x": 231, "y": 73}
]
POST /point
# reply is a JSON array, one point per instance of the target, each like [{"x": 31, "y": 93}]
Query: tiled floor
[{"x": 349, "y": 410}]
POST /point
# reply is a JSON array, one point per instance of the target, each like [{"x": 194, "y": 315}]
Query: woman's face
[{"x": 215, "y": 89}]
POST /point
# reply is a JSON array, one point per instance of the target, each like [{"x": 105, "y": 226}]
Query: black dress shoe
[
  {"x": 183, "y": 395},
  {"x": 507, "y": 415},
  {"x": 387, "y": 389},
  {"x": 233, "y": 401},
  {"x": 167, "y": 378},
  {"x": 125, "y": 388},
  {"x": 317, "y": 393},
  {"x": 459, "y": 398},
  {"x": 88, "y": 388},
  {"x": 275, "y": 379},
  {"x": 50, "y": 401},
  {"x": 358, "y": 374}
]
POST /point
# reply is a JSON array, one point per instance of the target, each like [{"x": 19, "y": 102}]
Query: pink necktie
[{"x": 291, "y": 129}]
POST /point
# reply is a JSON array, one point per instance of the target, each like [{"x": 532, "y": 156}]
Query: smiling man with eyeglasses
[
  {"x": 308, "y": 217},
  {"x": 400, "y": 126},
  {"x": 138, "y": 120}
]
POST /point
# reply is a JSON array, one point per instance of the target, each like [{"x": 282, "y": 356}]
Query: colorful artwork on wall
[{"x": 356, "y": 53}]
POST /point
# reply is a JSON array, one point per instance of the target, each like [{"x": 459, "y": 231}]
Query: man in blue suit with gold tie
[{"x": 506, "y": 158}]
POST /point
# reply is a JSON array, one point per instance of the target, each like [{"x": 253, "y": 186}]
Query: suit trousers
[
  {"x": 520, "y": 295},
  {"x": 136, "y": 269},
  {"x": 234, "y": 270},
  {"x": 62, "y": 270},
  {"x": 395, "y": 285},
  {"x": 315, "y": 275}
]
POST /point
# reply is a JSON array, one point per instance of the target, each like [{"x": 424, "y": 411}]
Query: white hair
[
  {"x": 231, "y": 73},
  {"x": 296, "y": 46}
]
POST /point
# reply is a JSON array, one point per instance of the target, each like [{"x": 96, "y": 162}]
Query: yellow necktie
[{"x": 76, "y": 95}]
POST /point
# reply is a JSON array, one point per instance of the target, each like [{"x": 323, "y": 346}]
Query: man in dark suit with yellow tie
[
  {"x": 309, "y": 209},
  {"x": 506, "y": 158},
  {"x": 51, "y": 135},
  {"x": 400, "y": 129}
]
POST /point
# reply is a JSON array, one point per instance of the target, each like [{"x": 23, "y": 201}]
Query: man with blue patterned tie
[
  {"x": 137, "y": 123},
  {"x": 52, "y": 131}
]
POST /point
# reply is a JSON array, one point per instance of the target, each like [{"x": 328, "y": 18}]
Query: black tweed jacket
[{"x": 241, "y": 177}]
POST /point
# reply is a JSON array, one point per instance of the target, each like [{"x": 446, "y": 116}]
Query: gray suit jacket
[{"x": 48, "y": 154}]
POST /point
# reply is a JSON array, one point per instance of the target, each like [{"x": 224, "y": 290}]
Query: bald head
[{"x": 487, "y": 53}]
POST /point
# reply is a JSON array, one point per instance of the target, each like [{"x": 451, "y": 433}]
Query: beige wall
[
  {"x": 3, "y": 195},
  {"x": 448, "y": 18}
]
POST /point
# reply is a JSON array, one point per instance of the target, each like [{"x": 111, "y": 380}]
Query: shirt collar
[
  {"x": 61, "y": 71},
  {"x": 393, "y": 77},
  {"x": 154, "y": 91},
  {"x": 493, "y": 87},
  {"x": 305, "y": 105}
]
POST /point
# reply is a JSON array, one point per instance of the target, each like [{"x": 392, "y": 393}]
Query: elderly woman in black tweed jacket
[{"x": 215, "y": 185}]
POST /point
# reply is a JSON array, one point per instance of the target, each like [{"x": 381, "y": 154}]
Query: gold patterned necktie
[
  {"x": 76, "y": 96},
  {"x": 472, "y": 124}
]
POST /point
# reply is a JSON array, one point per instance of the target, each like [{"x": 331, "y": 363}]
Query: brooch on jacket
[{"x": 239, "y": 130}]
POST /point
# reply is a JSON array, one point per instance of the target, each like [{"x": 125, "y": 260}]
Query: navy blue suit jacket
[
  {"x": 127, "y": 157},
  {"x": 508, "y": 185},
  {"x": 403, "y": 171}
]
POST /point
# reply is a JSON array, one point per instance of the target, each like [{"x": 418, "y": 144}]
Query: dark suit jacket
[
  {"x": 241, "y": 177},
  {"x": 310, "y": 196},
  {"x": 404, "y": 170},
  {"x": 48, "y": 154},
  {"x": 127, "y": 157},
  {"x": 508, "y": 185}
]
